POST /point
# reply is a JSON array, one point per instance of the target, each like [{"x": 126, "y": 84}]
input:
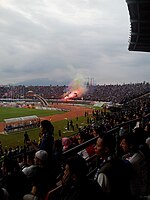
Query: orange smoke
[{"x": 75, "y": 90}]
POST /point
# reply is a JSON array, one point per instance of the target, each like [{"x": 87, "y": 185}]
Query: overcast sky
[{"x": 60, "y": 40}]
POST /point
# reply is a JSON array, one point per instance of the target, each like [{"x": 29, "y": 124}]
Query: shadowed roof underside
[{"x": 139, "y": 12}]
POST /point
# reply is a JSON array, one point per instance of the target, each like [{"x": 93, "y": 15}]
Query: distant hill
[{"x": 43, "y": 82}]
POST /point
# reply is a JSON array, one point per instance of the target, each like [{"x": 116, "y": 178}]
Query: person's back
[
  {"x": 139, "y": 179},
  {"x": 14, "y": 180},
  {"x": 42, "y": 181},
  {"x": 118, "y": 178}
]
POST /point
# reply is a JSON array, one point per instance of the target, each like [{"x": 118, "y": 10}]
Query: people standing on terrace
[{"x": 46, "y": 141}]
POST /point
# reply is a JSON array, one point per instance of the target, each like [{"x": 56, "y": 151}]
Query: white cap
[{"x": 41, "y": 155}]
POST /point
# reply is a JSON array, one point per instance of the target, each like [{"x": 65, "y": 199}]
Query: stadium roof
[{"x": 139, "y": 12}]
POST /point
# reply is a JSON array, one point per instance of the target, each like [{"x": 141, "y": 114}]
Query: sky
[{"x": 61, "y": 40}]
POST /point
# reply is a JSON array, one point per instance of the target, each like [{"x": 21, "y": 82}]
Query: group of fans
[{"x": 42, "y": 173}]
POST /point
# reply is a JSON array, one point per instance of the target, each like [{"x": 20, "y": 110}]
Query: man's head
[
  {"x": 75, "y": 168},
  {"x": 41, "y": 157},
  {"x": 105, "y": 145}
]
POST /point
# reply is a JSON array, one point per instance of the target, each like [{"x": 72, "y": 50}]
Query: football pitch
[
  {"x": 12, "y": 112},
  {"x": 14, "y": 139}
]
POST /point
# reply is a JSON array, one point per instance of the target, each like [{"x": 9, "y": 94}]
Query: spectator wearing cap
[
  {"x": 39, "y": 177},
  {"x": 46, "y": 143}
]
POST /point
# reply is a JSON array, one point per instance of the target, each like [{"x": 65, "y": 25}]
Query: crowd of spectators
[
  {"x": 114, "y": 93},
  {"x": 122, "y": 175}
]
